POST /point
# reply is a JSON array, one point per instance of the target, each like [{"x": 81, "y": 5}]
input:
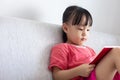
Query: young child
[{"x": 70, "y": 60}]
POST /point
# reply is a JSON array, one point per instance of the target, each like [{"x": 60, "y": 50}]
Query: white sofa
[{"x": 25, "y": 47}]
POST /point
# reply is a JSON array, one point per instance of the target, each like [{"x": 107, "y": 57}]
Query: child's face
[{"x": 77, "y": 34}]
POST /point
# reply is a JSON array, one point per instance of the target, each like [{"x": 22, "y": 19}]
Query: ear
[{"x": 65, "y": 27}]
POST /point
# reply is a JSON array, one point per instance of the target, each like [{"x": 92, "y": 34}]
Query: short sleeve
[{"x": 59, "y": 57}]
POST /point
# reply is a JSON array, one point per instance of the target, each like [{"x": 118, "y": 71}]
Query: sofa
[{"x": 25, "y": 47}]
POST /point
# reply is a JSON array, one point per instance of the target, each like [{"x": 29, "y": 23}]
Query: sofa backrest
[{"x": 25, "y": 47}]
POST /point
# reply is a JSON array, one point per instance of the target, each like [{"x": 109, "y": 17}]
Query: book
[{"x": 102, "y": 53}]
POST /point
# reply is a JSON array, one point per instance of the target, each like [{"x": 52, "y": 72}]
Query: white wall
[{"x": 105, "y": 12}]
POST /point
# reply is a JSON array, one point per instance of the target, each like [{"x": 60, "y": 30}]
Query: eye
[
  {"x": 80, "y": 29},
  {"x": 88, "y": 29}
]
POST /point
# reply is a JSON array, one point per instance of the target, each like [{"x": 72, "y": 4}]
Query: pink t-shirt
[{"x": 66, "y": 56}]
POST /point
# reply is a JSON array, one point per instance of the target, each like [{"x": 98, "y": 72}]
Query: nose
[{"x": 84, "y": 33}]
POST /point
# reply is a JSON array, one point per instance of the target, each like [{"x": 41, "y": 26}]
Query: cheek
[
  {"x": 77, "y": 35},
  {"x": 87, "y": 34}
]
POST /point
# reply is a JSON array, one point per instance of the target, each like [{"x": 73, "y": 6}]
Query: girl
[{"x": 70, "y": 60}]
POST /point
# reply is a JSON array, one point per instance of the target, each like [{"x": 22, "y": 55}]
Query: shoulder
[
  {"x": 60, "y": 45},
  {"x": 60, "y": 48},
  {"x": 89, "y": 47}
]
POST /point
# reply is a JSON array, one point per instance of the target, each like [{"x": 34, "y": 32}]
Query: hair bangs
[{"x": 77, "y": 18}]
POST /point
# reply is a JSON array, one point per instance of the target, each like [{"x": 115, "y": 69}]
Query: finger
[
  {"x": 91, "y": 69},
  {"x": 92, "y": 66}
]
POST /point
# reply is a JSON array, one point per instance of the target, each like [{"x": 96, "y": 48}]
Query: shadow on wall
[{"x": 27, "y": 13}]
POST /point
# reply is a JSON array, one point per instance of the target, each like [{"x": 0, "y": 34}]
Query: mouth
[{"x": 83, "y": 39}]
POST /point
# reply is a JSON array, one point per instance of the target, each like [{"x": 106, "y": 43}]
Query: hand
[{"x": 85, "y": 69}]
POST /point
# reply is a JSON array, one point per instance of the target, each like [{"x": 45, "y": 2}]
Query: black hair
[{"x": 74, "y": 15}]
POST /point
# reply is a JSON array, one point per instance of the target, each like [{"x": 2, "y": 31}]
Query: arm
[{"x": 82, "y": 70}]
